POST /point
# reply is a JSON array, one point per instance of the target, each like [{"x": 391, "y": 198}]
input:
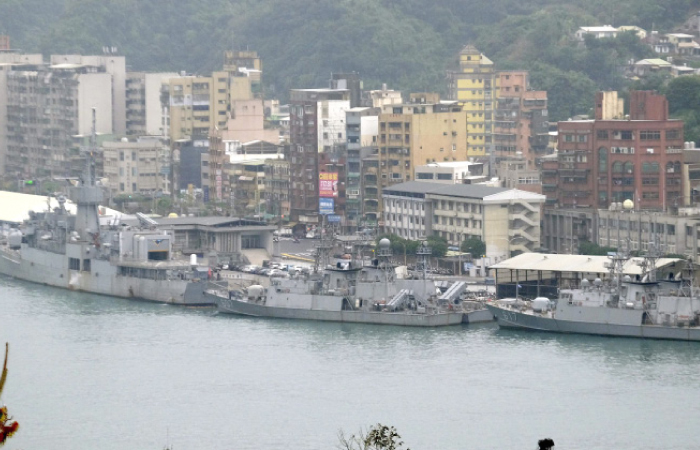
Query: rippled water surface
[{"x": 92, "y": 372}]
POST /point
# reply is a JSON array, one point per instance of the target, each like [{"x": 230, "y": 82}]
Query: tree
[
  {"x": 683, "y": 94},
  {"x": 438, "y": 245},
  {"x": 590, "y": 248},
  {"x": 474, "y": 245},
  {"x": 378, "y": 437}
]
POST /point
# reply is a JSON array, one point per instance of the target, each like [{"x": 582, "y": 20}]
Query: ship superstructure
[{"x": 73, "y": 251}]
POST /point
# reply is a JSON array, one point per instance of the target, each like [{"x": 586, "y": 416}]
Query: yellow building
[
  {"x": 475, "y": 86},
  {"x": 411, "y": 135},
  {"x": 200, "y": 104}
]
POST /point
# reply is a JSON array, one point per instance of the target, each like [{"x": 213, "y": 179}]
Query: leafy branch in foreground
[
  {"x": 7, "y": 427},
  {"x": 378, "y": 437}
]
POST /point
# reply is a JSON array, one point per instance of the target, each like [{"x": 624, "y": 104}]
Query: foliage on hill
[{"x": 408, "y": 44}]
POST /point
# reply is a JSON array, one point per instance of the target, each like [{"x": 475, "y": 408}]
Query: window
[
  {"x": 624, "y": 135},
  {"x": 673, "y": 134},
  {"x": 602, "y": 134},
  {"x": 568, "y": 138},
  {"x": 650, "y": 167},
  {"x": 617, "y": 167},
  {"x": 602, "y": 159},
  {"x": 582, "y": 138},
  {"x": 121, "y": 155},
  {"x": 647, "y": 135}
]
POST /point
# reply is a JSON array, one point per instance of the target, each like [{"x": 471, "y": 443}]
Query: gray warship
[
  {"x": 59, "y": 249},
  {"x": 646, "y": 307},
  {"x": 352, "y": 291}
]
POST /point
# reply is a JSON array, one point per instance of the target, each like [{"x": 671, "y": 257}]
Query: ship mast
[{"x": 87, "y": 195}]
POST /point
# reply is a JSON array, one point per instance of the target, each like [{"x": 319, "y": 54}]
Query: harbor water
[{"x": 94, "y": 372}]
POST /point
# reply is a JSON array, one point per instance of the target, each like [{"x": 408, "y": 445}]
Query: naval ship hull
[
  {"x": 52, "y": 269},
  {"x": 233, "y": 306},
  {"x": 507, "y": 318}
]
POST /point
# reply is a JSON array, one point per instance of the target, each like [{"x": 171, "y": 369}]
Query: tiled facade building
[{"x": 604, "y": 161}]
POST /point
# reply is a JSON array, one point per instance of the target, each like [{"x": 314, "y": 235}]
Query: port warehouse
[
  {"x": 228, "y": 237},
  {"x": 541, "y": 275}
]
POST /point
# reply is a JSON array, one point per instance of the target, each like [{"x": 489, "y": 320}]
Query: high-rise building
[
  {"x": 198, "y": 105},
  {"x": 146, "y": 112},
  {"x": 604, "y": 161},
  {"x": 410, "y": 135},
  {"x": 317, "y": 125},
  {"x": 521, "y": 126},
  {"x": 351, "y": 82},
  {"x": 362, "y": 129},
  {"x": 113, "y": 65},
  {"x": 475, "y": 85},
  {"x": 46, "y": 106}
]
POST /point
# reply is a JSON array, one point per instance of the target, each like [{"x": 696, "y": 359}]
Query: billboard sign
[
  {"x": 333, "y": 218},
  {"x": 326, "y": 206},
  {"x": 328, "y": 184}
]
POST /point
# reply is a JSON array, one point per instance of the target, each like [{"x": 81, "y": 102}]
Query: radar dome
[
  {"x": 384, "y": 243},
  {"x": 628, "y": 204},
  {"x": 597, "y": 282},
  {"x": 627, "y": 279},
  {"x": 585, "y": 283}
]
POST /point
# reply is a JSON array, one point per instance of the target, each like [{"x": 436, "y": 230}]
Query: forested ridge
[{"x": 407, "y": 44}]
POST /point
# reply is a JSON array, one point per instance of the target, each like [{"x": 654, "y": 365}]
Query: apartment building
[
  {"x": 475, "y": 86},
  {"x": 506, "y": 220},
  {"x": 146, "y": 112},
  {"x": 604, "y": 161},
  {"x": 362, "y": 130},
  {"x": 277, "y": 188},
  {"x": 521, "y": 125},
  {"x": 198, "y": 104},
  {"x": 317, "y": 125},
  {"x": 136, "y": 166},
  {"x": 410, "y": 135},
  {"x": 45, "y": 106},
  {"x": 115, "y": 67}
]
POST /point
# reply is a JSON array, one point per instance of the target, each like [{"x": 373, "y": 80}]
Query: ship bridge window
[
  {"x": 74, "y": 263},
  {"x": 86, "y": 265},
  {"x": 158, "y": 256}
]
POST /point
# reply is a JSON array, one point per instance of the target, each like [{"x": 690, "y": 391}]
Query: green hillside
[{"x": 408, "y": 44}]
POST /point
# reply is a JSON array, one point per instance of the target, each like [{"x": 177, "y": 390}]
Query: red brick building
[{"x": 602, "y": 161}]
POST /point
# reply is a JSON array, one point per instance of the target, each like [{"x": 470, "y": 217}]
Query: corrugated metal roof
[
  {"x": 487, "y": 193},
  {"x": 574, "y": 263},
  {"x": 452, "y": 190}
]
